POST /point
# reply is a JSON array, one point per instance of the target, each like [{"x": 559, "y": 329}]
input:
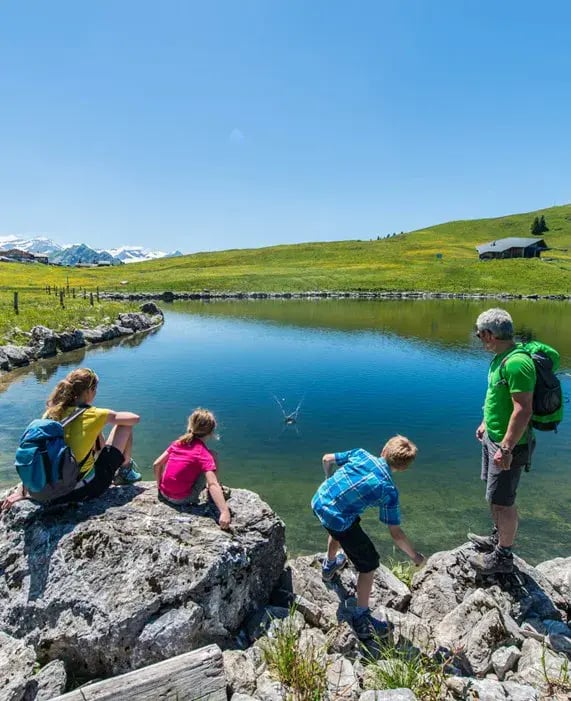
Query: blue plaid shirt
[{"x": 361, "y": 481}]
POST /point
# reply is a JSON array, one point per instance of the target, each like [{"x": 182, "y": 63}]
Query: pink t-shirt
[{"x": 184, "y": 464}]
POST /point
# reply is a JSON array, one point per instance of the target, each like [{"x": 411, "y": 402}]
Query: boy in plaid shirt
[{"x": 362, "y": 481}]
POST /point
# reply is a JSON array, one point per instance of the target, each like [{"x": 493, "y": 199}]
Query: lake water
[{"x": 365, "y": 371}]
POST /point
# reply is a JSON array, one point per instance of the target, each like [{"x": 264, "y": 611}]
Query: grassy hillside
[{"x": 404, "y": 262}]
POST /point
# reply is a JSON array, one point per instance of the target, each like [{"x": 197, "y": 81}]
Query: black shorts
[
  {"x": 358, "y": 547},
  {"x": 501, "y": 485},
  {"x": 108, "y": 462}
]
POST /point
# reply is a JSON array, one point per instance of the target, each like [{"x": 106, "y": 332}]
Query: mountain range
[{"x": 81, "y": 252}]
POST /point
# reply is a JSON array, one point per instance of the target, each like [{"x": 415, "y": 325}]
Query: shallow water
[{"x": 365, "y": 371}]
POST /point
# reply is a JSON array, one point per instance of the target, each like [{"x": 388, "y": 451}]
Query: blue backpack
[{"x": 46, "y": 465}]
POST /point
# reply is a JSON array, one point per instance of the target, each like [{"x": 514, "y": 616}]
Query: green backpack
[{"x": 547, "y": 395}]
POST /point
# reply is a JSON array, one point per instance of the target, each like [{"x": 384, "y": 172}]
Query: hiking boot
[
  {"x": 493, "y": 563},
  {"x": 328, "y": 571},
  {"x": 367, "y": 627},
  {"x": 127, "y": 474},
  {"x": 486, "y": 543}
]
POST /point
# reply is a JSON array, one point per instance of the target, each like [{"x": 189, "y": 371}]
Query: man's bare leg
[{"x": 506, "y": 520}]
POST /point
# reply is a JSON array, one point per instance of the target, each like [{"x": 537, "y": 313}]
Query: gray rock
[
  {"x": 4, "y": 360},
  {"x": 342, "y": 682},
  {"x": 407, "y": 629},
  {"x": 536, "y": 662},
  {"x": 469, "y": 689},
  {"x": 17, "y": 355},
  {"x": 268, "y": 689},
  {"x": 265, "y": 619},
  {"x": 240, "y": 672},
  {"x": 558, "y": 574},
  {"x": 151, "y": 309},
  {"x": 136, "y": 321},
  {"x": 44, "y": 341},
  {"x": 448, "y": 578},
  {"x": 345, "y": 642},
  {"x": 520, "y": 692},
  {"x": 242, "y": 697},
  {"x": 104, "y": 332},
  {"x": 110, "y": 584},
  {"x": 17, "y": 662},
  {"x": 48, "y": 683},
  {"x": 504, "y": 659},
  {"x": 388, "y": 695},
  {"x": 70, "y": 340}
]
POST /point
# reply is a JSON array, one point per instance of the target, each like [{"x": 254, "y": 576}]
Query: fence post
[
  {"x": 98, "y": 293},
  {"x": 84, "y": 293},
  {"x": 91, "y": 298},
  {"x": 16, "y": 309},
  {"x": 61, "y": 299}
]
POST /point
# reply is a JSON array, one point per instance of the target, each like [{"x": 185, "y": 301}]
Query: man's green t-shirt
[{"x": 517, "y": 375}]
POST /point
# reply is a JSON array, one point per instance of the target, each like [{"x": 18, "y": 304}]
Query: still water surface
[{"x": 365, "y": 371}]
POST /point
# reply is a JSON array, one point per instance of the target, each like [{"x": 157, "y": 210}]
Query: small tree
[
  {"x": 536, "y": 229},
  {"x": 542, "y": 225}
]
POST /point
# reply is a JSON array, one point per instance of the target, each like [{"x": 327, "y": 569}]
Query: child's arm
[
  {"x": 17, "y": 495},
  {"x": 328, "y": 460},
  {"x": 402, "y": 542},
  {"x": 159, "y": 465},
  {"x": 217, "y": 495}
]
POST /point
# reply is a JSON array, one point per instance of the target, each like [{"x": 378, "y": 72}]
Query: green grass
[
  {"x": 404, "y": 262},
  {"x": 404, "y": 571},
  {"x": 39, "y": 308}
]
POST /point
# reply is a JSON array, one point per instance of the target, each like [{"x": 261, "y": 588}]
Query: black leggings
[{"x": 108, "y": 462}]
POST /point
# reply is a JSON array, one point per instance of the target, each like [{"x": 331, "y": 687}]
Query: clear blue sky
[{"x": 218, "y": 124}]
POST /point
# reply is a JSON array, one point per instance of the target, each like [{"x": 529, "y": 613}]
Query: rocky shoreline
[
  {"x": 169, "y": 296},
  {"x": 46, "y": 343},
  {"x": 106, "y": 587}
]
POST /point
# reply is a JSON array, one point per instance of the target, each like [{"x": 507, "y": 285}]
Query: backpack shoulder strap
[
  {"x": 73, "y": 416},
  {"x": 509, "y": 355}
]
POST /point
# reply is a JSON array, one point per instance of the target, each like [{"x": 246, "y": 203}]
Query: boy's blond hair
[{"x": 399, "y": 452}]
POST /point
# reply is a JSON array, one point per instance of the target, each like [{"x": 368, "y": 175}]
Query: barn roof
[{"x": 510, "y": 242}]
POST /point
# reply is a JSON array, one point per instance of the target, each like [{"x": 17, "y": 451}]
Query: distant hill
[
  {"x": 81, "y": 253},
  {"x": 441, "y": 258}
]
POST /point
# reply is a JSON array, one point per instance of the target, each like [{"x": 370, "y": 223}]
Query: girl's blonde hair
[
  {"x": 201, "y": 423},
  {"x": 399, "y": 452},
  {"x": 67, "y": 392}
]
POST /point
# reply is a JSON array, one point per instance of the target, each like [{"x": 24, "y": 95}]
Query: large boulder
[
  {"x": 448, "y": 577},
  {"x": 136, "y": 321},
  {"x": 70, "y": 340},
  {"x": 15, "y": 355},
  {"x": 124, "y": 580},
  {"x": 558, "y": 574},
  {"x": 43, "y": 341}
]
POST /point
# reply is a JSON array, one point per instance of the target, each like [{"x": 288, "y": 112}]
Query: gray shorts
[
  {"x": 193, "y": 497},
  {"x": 501, "y": 485}
]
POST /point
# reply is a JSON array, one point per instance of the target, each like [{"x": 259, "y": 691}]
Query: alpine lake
[{"x": 358, "y": 372}]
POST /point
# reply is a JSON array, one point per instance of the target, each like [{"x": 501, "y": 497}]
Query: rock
[
  {"x": 477, "y": 627},
  {"x": 537, "y": 664},
  {"x": 469, "y": 689},
  {"x": 324, "y": 604},
  {"x": 558, "y": 574},
  {"x": 267, "y": 619},
  {"x": 341, "y": 680},
  {"x": 240, "y": 672},
  {"x": 48, "y": 683},
  {"x": 407, "y": 629},
  {"x": 136, "y": 321},
  {"x": 17, "y": 661},
  {"x": 168, "y": 296},
  {"x": 70, "y": 340},
  {"x": 125, "y": 580},
  {"x": 44, "y": 341},
  {"x": 448, "y": 577},
  {"x": 242, "y": 697},
  {"x": 17, "y": 356},
  {"x": 105, "y": 332},
  {"x": 504, "y": 659},
  {"x": 388, "y": 695},
  {"x": 4, "y": 360},
  {"x": 268, "y": 689},
  {"x": 151, "y": 309},
  {"x": 345, "y": 642}
]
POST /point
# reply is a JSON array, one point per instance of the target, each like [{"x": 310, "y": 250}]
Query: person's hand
[
  {"x": 10, "y": 500},
  {"x": 419, "y": 560},
  {"x": 480, "y": 431},
  {"x": 503, "y": 459},
  {"x": 224, "y": 520}
]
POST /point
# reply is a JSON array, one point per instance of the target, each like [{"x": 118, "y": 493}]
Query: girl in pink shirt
[{"x": 187, "y": 462}]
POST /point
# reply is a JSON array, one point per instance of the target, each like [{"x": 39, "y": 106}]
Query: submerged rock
[{"x": 125, "y": 580}]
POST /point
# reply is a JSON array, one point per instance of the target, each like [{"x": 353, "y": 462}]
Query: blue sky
[{"x": 229, "y": 124}]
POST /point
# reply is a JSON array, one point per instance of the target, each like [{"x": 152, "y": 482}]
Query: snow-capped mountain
[{"x": 81, "y": 253}]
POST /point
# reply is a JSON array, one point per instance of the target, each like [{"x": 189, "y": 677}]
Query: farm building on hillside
[{"x": 512, "y": 247}]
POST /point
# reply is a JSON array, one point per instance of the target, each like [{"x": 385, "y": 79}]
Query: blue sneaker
[
  {"x": 127, "y": 474},
  {"x": 328, "y": 571},
  {"x": 367, "y": 627}
]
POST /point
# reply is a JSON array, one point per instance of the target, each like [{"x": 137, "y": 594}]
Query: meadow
[{"x": 440, "y": 258}]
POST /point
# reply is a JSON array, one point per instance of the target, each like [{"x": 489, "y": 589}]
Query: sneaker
[
  {"x": 127, "y": 474},
  {"x": 329, "y": 571},
  {"x": 486, "y": 543},
  {"x": 367, "y": 627},
  {"x": 493, "y": 563}
]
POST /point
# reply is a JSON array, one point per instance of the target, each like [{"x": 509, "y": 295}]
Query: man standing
[{"x": 505, "y": 435}]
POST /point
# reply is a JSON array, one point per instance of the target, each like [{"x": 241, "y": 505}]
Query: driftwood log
[{"x": 193, "y": 676}]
